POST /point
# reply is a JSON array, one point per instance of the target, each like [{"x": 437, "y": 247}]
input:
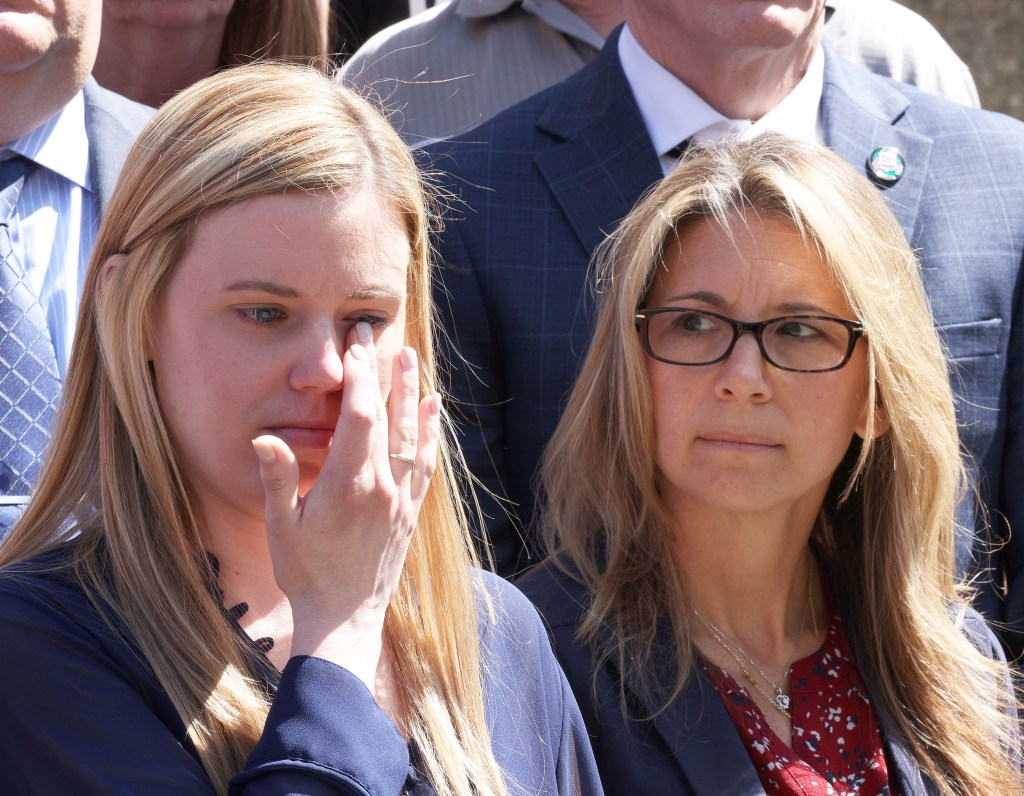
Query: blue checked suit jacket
[{"x": 544, "y": 182}]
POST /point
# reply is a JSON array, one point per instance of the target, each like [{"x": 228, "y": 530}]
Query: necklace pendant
[{"x": 781, "y": 700}]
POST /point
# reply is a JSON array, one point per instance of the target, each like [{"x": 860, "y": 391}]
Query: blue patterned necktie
[{"x": 29, "y": 381}]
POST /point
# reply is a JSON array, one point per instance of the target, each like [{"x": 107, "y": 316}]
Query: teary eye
[{"x": 261, "y": 315}]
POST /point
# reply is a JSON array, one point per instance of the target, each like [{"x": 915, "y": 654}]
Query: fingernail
[
  {"x": 264, "y": 450},
  {"x": 357, "y": 352},
  {"x": 435, "y": 404},
  {"x": 408, "y": 358},
  {"x": 364, "y": 332}
]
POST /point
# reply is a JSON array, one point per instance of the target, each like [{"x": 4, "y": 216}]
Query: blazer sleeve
[{"x": 83, "y": 715}]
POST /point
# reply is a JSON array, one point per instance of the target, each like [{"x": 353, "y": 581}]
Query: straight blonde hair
[
  {"x": 885, "y": 536},
  {"x": 113, "y": 480}
]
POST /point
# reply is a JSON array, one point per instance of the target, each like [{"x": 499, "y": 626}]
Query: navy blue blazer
[
  {"x": 691, "y": 748},
  {"x": 545, "y": 181},
  {"x": 83, "y": 714}
]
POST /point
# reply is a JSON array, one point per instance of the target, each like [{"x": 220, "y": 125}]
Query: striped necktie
[{"x": 29, "y": 380}]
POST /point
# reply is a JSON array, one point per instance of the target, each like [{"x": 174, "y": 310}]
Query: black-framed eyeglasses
[{"x": 798, "y": 343}]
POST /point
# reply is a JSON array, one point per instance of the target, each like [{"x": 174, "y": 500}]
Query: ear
[{"x": 880, "y": 426}]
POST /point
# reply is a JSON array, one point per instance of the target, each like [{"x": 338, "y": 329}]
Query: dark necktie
[
  {"x": 677, "y": 151},
  {"x": 29, "y": 381}
]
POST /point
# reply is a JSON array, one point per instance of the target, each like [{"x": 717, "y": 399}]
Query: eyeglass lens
[{"x": 689, "y": 337}]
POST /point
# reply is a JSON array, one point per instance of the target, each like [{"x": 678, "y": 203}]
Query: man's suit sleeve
[{"x": 477, "y": 393}]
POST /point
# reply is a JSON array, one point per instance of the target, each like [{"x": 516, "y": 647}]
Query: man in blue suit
[
  {"x": 62, "y": 142},
  {"x": 543, "y": 183}
]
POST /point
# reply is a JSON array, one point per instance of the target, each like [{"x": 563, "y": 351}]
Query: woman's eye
[
  {"x": 375, "y": 321},
  {"x": 797, "y": 330},
  {"x": 261, "y": 315},
  {"x": 692, "y": 322}
]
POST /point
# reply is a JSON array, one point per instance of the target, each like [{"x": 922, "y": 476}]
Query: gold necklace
[{"x": 781, "y": 699}]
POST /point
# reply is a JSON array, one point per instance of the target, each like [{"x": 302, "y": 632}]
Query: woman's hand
[{"x": 339, "y": 550}]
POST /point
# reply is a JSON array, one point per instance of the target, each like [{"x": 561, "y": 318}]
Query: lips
[
  {"x": 739, "y": 441},
  {"x": 311, "y": 435}
]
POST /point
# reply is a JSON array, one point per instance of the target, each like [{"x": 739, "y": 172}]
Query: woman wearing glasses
[{"x": 750, "y": 502}]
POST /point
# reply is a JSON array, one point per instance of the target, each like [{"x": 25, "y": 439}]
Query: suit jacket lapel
[
  {"x": 698, "y": 730},
  {"x": 605, "y": 161},
  {"x": 109, "y": 140},
  {"x": 861, "y": 112}
]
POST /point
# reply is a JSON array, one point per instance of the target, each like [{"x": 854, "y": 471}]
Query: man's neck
[
  {"x": 150, "y": 66},
  {"x": 738, "y": 82}
]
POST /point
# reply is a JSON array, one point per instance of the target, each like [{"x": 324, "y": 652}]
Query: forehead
[
  {"x": 324, "y": 241},
  {"x": 752, "y": 257}
]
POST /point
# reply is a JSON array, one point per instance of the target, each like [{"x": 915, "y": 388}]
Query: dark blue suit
[
  {"x": 545, "y": 181},
  {"x": 691, "y": 748}
]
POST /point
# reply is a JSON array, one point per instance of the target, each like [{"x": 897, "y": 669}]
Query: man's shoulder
[
  {"x": 920, "y": 111},
  {"x": 103, "y": 106},
  {"x": 409, "y": 43}
]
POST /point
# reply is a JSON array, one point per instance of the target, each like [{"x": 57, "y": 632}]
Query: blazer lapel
[
  {"x": 860, "y": 113},
  {"x": 109, "y": 140},
  {"x": 698, "y": 730},
  {"x": 605, "y": 161}
]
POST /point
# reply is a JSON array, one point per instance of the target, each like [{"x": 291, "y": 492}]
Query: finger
[
  {"x": 426, "y": 453},
  {"x": 361, "y": 413},
  {"x": 403, "y": 420},
  {"x": 279, "y": 473}
]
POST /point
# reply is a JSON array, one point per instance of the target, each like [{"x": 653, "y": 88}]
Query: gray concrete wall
[{"x": 989, "y": 36}]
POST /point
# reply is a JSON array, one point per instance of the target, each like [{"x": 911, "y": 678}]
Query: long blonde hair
[
  {"x": 885, "y": 536},
  {"x": 114, "y": 482}
]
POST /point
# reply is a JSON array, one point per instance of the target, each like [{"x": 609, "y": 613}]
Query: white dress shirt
[
  {"x": 673, "y": 112},
  {"x": 56, "y": 219}
]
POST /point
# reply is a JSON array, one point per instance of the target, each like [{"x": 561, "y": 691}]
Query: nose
[
  {"x": 744, "y": 373},
  {"x": 317, "y": 365}
]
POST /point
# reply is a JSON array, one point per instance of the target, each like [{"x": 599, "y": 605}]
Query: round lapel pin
[{"x": 886, "y": 164}]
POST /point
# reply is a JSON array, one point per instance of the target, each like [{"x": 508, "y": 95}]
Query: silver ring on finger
[{"x": 407, "y": 459}]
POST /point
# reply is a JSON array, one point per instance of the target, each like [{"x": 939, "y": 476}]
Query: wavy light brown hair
[
  {"x": 885, "y": 535},
  {"x": 113, "y": 479}
]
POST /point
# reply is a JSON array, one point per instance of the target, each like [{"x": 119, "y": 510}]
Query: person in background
[
  {"x": 544, "y": 182},
  {"x": 62, "y": 142},
  {"x": 244, "y": 569},
  {"x": 151, "y": 50},
  {"x": 751, "y": 498},
  {"x": 459, "y": 64},
  {"x": 358, "y": 20}
]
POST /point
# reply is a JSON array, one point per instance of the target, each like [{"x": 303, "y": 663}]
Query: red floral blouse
[{"x": 837, "y": 743}]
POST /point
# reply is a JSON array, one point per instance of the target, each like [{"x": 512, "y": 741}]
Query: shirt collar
[
  {"x": 61, "y": 144},
  {"x": 672, "y": 112},
  {"x": 551, "y": 12}
]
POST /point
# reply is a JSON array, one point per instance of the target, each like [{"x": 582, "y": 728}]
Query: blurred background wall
[{"x": 989, "y": 36}]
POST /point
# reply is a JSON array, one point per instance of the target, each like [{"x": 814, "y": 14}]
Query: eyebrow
[
  {"x": 786, "y": 308},
  {"x": 369, "y": 293}
]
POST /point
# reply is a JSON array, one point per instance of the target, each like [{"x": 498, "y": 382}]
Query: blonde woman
[
  {"x": 243, "y": 569},
  {"x": 750, "y": 502}
]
